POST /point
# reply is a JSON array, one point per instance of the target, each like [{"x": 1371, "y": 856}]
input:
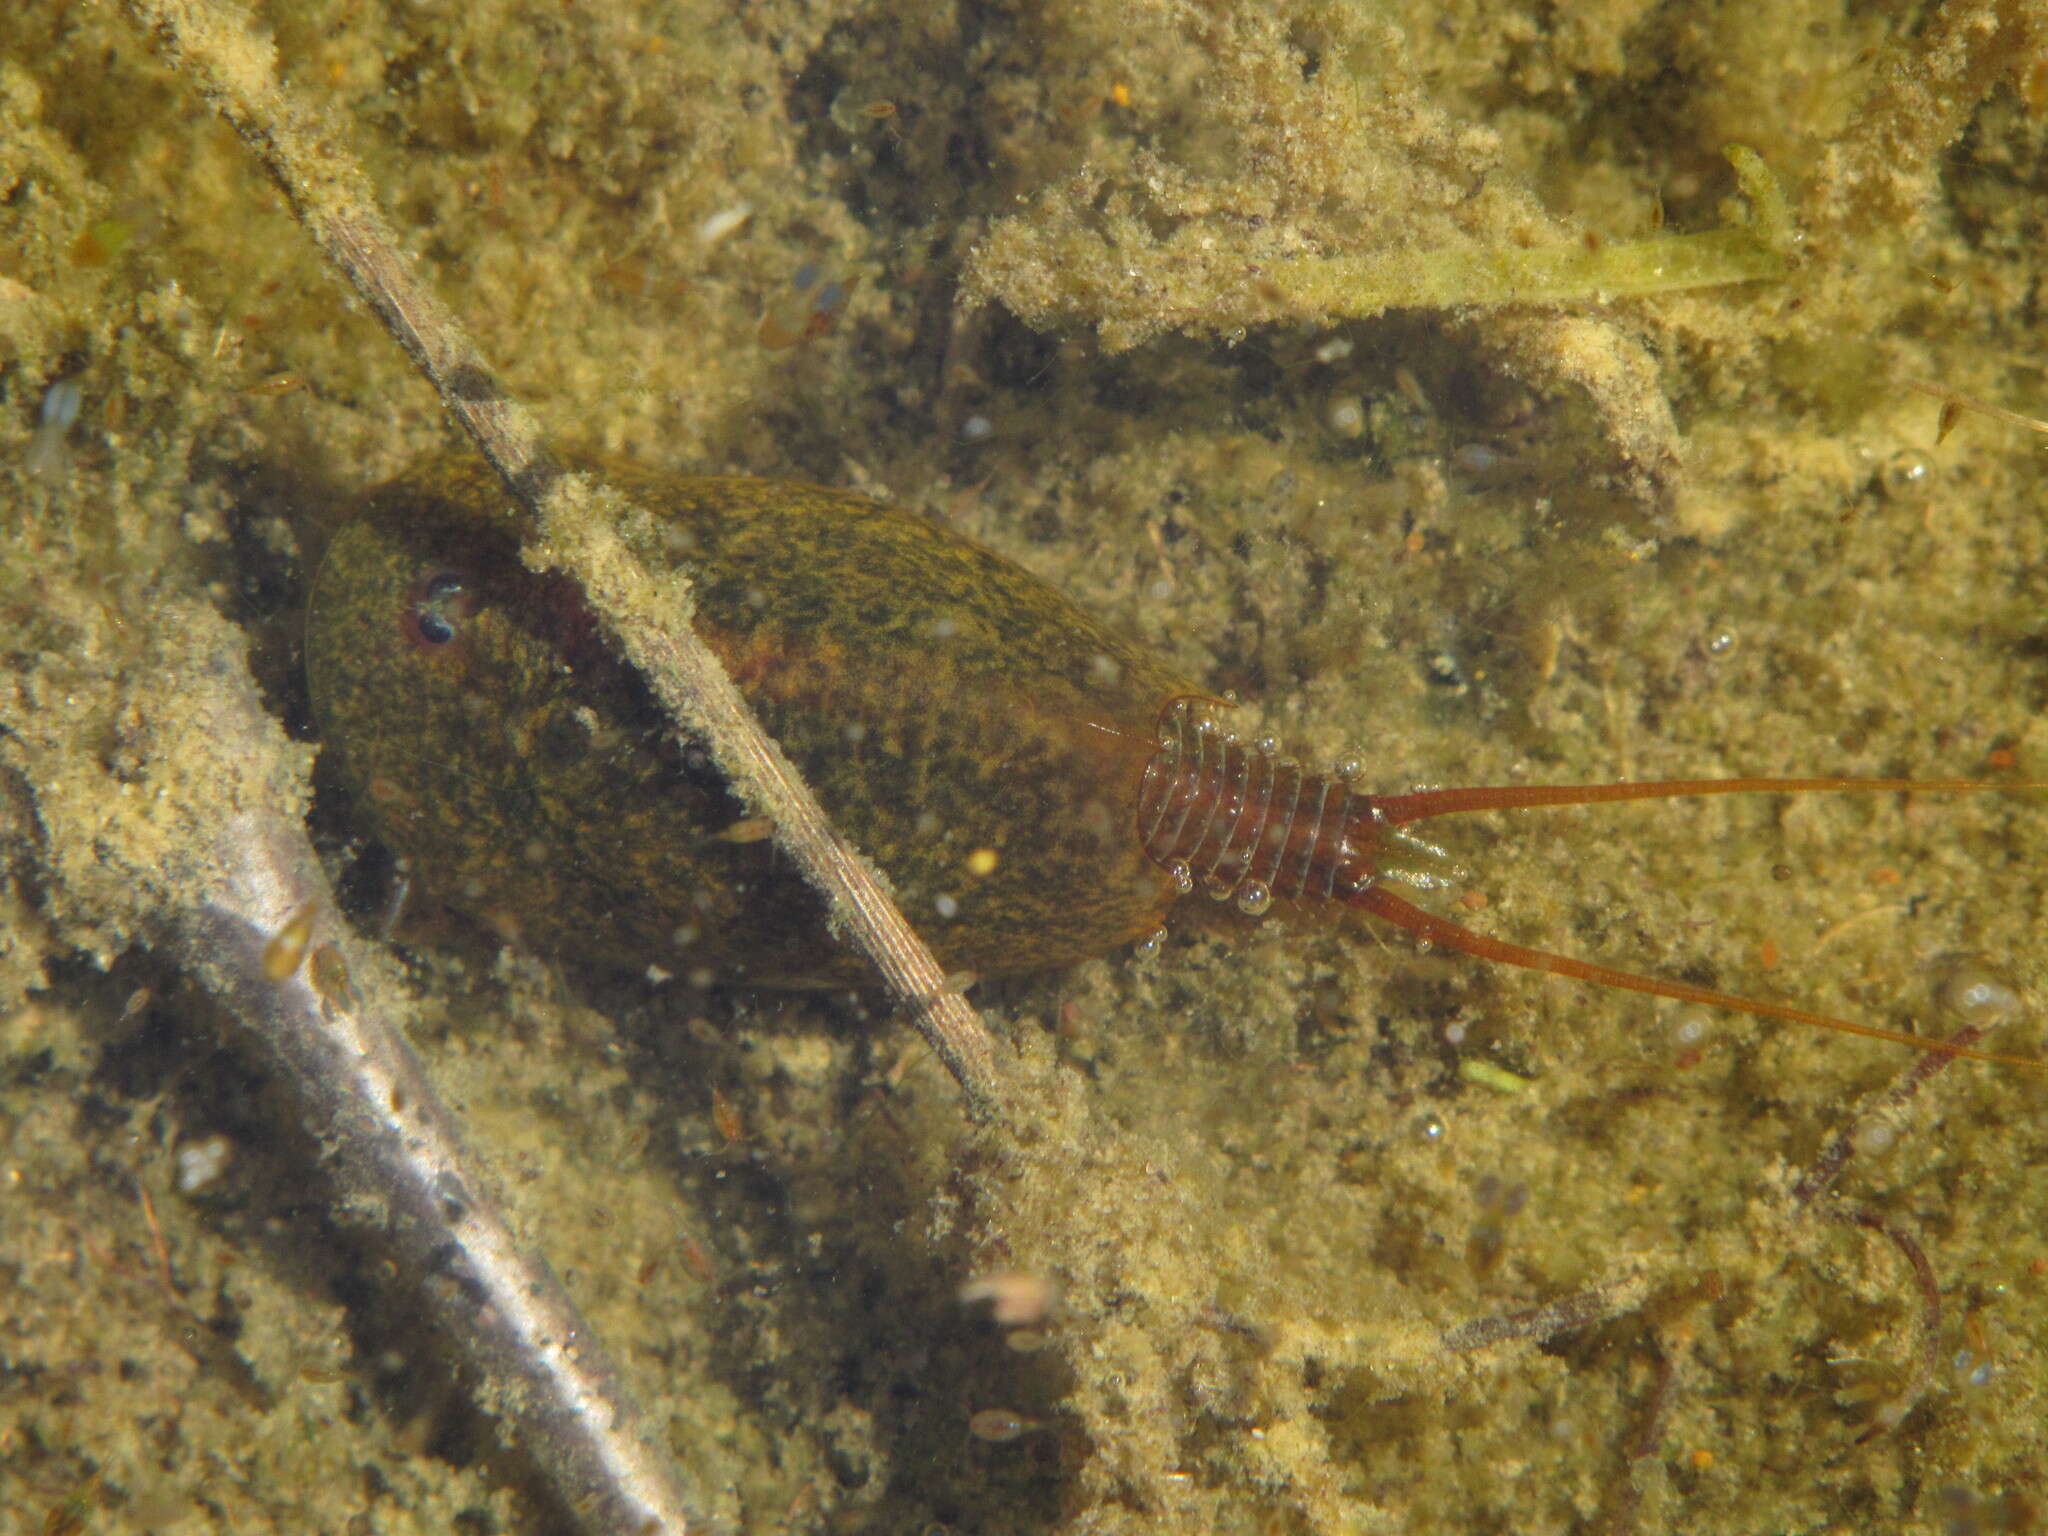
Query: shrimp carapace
[
  {"x": 970, "y": 730},
  {"x": 1037, "y": 789}
]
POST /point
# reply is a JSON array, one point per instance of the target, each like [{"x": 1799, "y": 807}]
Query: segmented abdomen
[{"x": 1241, "y": 821}]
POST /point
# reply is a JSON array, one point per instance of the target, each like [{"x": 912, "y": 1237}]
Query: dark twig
[
  {"x": 1816, "y": 1181},
  {"x": 1578, "y": 1310},
  {"x": 1894, "y": 1410},
  {"x": 1828, "y": 1167},
  {"x": 1821, "y": 1177},
  {"x": 1643, "y": 1445}
]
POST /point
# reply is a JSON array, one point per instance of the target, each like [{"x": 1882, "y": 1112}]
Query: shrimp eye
[{"x": 435, "y": 609}]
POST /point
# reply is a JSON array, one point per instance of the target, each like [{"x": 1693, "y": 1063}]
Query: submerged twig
[
  {"x": 1828, "y": 1167},
  {"x": 1671, "y": 1337},
  {"x": 219, "y": 870},
  {"x": 1927, "y": 1359},
  {"x": 1955, "y": 399},
  {"x": 571, "y": 521},
  {"x": 1643, "y": 1445},
  {"x": 1821, "y": 1177},
  {"x": 1580, "y": 1309}
]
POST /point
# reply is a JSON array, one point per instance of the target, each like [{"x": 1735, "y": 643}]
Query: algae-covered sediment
[{"x": 1693, "y": 533}]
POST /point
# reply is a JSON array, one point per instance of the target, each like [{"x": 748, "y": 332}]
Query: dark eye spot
[{"x": 435, "y": 609}]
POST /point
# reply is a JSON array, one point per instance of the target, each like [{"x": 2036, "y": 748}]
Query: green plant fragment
[{"x": 1356, "y": 287}]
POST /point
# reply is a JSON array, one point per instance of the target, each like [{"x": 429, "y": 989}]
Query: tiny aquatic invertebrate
[
  {"x": 1038, "y": 789},
  {"x": 1133, "y": 984},
  {"x": 815, "y": 299}
]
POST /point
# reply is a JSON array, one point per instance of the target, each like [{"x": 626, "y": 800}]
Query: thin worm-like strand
[
  {"x": 1441, "y": 931},
  {"x": 1424, "y": 803}
]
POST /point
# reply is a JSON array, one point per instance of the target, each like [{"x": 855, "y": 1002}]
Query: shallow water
[{"x": 1275, "y": 1164}]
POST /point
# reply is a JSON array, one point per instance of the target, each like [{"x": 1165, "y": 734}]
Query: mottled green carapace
[{"x": 971, "y": 731}]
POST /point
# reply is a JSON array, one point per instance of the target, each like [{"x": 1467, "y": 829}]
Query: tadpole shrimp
[{"x": 1038, "y": 789}]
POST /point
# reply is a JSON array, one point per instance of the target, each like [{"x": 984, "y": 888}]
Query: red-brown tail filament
[{"x": 1397, "y": 810}]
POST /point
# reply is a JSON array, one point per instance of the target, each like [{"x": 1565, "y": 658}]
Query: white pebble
[
  {"x": 717, "y": 226},
  {"x": 201, "y": 1162}
]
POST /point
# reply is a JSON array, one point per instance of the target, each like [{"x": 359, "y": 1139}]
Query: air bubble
[
  {"x": 1183, "y": 877},
  {"x": 1254, "y": 898},
  {"x": 1691, "y": 1024},
  {"x": 1977, "y": 993},
  {"x": 1904, "y": 471},
  {"x": 1345, "y": 415}
]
